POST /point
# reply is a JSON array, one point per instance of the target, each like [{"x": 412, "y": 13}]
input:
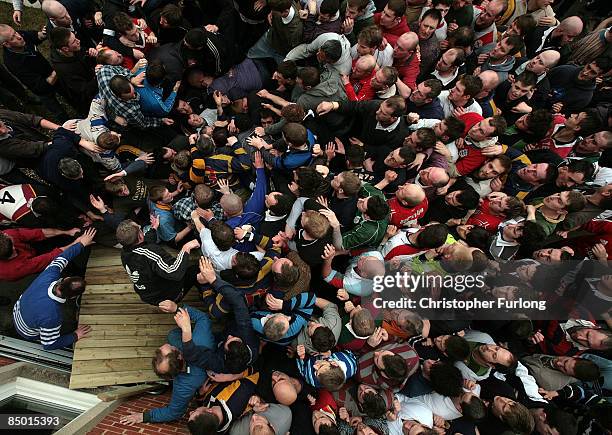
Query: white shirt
[
  {"x": 221, "y": 260},
  {"x": 389, "y": 128},
  {"x": 448, "y": 106},
  {"x": 383, "y": 58}
]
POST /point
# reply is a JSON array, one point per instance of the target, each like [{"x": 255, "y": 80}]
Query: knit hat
[{"x": 279, "y": 417}]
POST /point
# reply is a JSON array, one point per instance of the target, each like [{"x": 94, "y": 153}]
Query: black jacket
[
  {"x": 30, "y": 66},
  {"x": 26, "y": 141},
  {"x": 156, "y": 275},
  {"x": 75, "y": 75}
]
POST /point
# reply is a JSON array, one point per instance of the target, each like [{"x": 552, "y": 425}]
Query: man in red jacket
[
  {"x": 19, "y": 259},
  {"x": 392, "y": 21}
]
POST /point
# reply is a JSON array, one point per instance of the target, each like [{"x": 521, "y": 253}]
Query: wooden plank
[
  {"x": 101, "y": 331},
  {"x": 115, "y": 278},
  {"x": 123, "y": 392},
  {"x": 111, "y": 298},
  {"x": 116, "y": 378},
  {"x": 86, "y": 354},
  {"x": 129, "y": 341},
  {"x": 122, "y": 319},
  {"x": 105, "y": 261},
  {"x": 93, "y": 289},
  {"x": 110, "y": 365},
  {"x": 140, "y": 308}
]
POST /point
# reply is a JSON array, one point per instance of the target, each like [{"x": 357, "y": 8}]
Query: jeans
[{"x": 263, "y": 50}]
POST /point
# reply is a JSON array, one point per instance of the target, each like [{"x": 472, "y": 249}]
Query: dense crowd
[{"x": 281, "y": 159}]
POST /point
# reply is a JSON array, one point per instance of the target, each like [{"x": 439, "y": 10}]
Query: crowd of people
[{"x": 280, "y": 159}]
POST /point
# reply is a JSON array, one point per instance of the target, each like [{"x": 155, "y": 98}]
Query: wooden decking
[{"x": 125, "y": 330}]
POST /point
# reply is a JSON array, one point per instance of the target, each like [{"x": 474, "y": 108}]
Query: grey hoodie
[
  {"x": 330, "y": 88},
  {"x": 502, "y": 69}
]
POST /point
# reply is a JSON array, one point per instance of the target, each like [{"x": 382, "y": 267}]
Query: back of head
[
  {"x": 123, "y": 23},
  {"x": 474, "y": 409},
  {"x": 323, "y": 339},
  {"x": 472, "y": 84},
  {"x": 310, "y": 77},
  {"x": 519, "y": 419},
  {"x": 295, "y": 134},
  {"x": 70, "y": 168},
  {"x": 378, "y": 209},
  {"x": 446, "y": 379},
  {"x": 107, "y": 140},
  {"x": 293, "y": 113},
  {"x": 332, "y": 379},
  {"x": 329, "y": 7},
  {"x": 203, "y": 195},
  {"x": 119, "y": 85},
  {"x": 205, "y": 423},
  {"x": 59, "y": 37},
  {"x": 237, "y": 357},
  {"x": 586, "y": 370},
  {"x": 156, "y": 73},
  {"x": 457, "y": 348},
  {"x": 222, "y": 235},
  {"x": 246, "y": 267},
  {"x": 72, "y": 286},
  {"x": 231, "y": 203},
  {"x": 374, "y": 405},
  {"x": 172, "y": 14},
  {"x": 127, "y": 233},
  {"x": 564, "y": 422},
  {"x": 363, "y": 323},
  {"x": 52, "y": 8},
  {"x": 274, "y": 329},
  {"x": 332, "y": 50},
  {"x": 196, "y": 39},
  {"x": 432, "y": 236},
  {"x": 395, "y": 367},
  {"x": 398, "y": 7},
  {"x": 288, "y": 69},
  {"x": 279, "y": 5},
  {"x": 316, "y": 225}
]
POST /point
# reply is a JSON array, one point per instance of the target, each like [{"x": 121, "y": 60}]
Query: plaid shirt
[
  {"x": 130, "y": 110},
  {"x": 183, "y": 208}
]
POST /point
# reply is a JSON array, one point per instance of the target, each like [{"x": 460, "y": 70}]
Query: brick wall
[
  {"x": 111, "y": 426},
  {"x": 6, "y": 361}
]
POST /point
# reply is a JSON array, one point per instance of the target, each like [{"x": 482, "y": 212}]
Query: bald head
[
  {"x": 490, "y": 80},
  {"x": 411, "y": 194},
  {"x": 366, "y": 63},
  {"x": 568, "y": 30},
  {"x": 5, "y": 32},
  {"x": 231, "y": 204},
  {"x": 550, "y": 58},
  {"x": 57, "y": 13},
  {"x": 284, "y": 392},
  {"x": 408, "y": 40}
]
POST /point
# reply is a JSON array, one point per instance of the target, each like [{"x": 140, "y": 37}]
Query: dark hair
[
  {"x": 432, "y": 13},
  {"x": 205, "y": 423},
  {"x": 526, "y": 23},
  {"x": 237, "y": 357},
  {"x": 398, "y": 7},
  {"x": 528, "y": 78},
  {"x": 219, "y": 136},
  {"x": 457, "y": 348},
  {"x": 461, "y": 37},
  {"x": 310, "y": 76},
  {"x": 373, "y": 405},
  {"x": 173, "y": 15},
  {"x": 323, "y": 339},
  {"x": 582, "y": 167},
  {"x": 329, "y": 429},
  {"x": 435, "y": 87},
  {"x": 454, "y": 128},
  {"x": 288, "y": 276},
  {"x": 533, "y": 235},
  {"x": 519, "y": 419},
  {"x": 72, "y": 286},
  {"x": 395, "y": 367},
  {"x": 360, "y": 4},
  {"x": 586, "y": 370},
  {"x": 591, "y": 123},
  {"x": 45, "y": 206},
  {"x": 397, "y": 104},
  {"x": 564, "y": 422},
  {"x": 267, "y": 113},
  {"x": 378, "y": 209},
  {"x": 472, "y": 84},
  {"x": 371, "y": 36},
  {"x": 59, "y": 37},
  {"x": 390, "y": 75},
  {"x": 603, "y": 63},
  {"x": 427, "y": 137},
  {"x": 174, "y": 366},
  {"x": 279, "y": 5},
  {"x": 446, "y": 379},
  {"x": 478, "y": 237},
  {"x": 123, "y": 22},
  {"x": 329, "y": 7},
  {"x": 283, "y": 205},
  {"x": 355, "y": 155},
  {"x": 332, "y": 50},
  {"x": 407, "y": 155},
  {"x": 196, "y": 39},
  {"x": 468, "y": 198},
  {"x": 515, "y": 207},
  {"x": 247, "y": 266},
  {"x": 288, "y": 69},
  {"x": 120, "y": 85},
  {"x": 505, "y": 162},
  {"x": 106, "y": 140},
  {"x": 516, "y": 42},
  {"x": 500, "y": 124},
  {"x": 295, "y": 134},
  {"x": 432, "y": 236},
  {"x": 222, "y": 235},
  {"x": 539, "y": 122},
  {"x": 308, "y": 181},
  {"x": 6, "y": 246},
  {"x": 474, "y": 409},
  {"x": 551, "y": 174},
  {"x": 156, "y": 73}
]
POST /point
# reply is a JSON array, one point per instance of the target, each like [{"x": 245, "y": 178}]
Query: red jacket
[
  {"x": 402, "y": 216},
  {"x": 360, "y": 90},
  {"x": 393, "y": 34},
  {"x": 470, "y": 157},
  {"x": 27, "y": 260},
  {"x": 408, "y": 70},
  {"x": 482, "y": 217}
]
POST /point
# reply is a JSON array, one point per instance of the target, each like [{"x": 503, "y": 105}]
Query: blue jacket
[
  {"x": 37, "y": 314},
  {"x": 151, "y": 101},
  {"x": 293, "y": 159},
  {"x": 186, "y": 384},
  {"x": 214, "y": 359}
]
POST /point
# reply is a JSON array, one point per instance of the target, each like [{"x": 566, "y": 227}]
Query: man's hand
[
  {"x": 442, "y": 149},
  {"x": 168, "y": 306},
  {"x": 391, "y": 230},
  {"x": 482, "y": 58},
  {"x": 256, "y": 142},
  {"x": 132, "y": 418},
  {"x": 87, "y": 238},
  {"x": 72, "y": 232},
  {"x": 547, "y": 21},
  {"x": 212, "y": 28},
  {"x": 207, "y": 272},
  {"x": 412, "y": 118},
  {"x": 147, "y": 158},
  {"x": 97, "y": 203},
  {"x": 557, "y": 107},
  {"x": 331, "y": 217},
  {"x": 92, "y": 52},
  {"x": 151, "y": 38},
  {"x": 82, "y": 331},
  {"x": 301, "y": 351},
  {"x": 167, "y": 121},
  {"x": 492, "y": 150},
  {"x": 154, "y": 220},
  {"x": 390, "y": 176},
  {"x": 90, "y": 146},
  {"x": 193, "y": 244},
  {"x": 176, "y": 86},
  {"x": 522, "y": 108},
  {"x": 182, "y": 320},
  {"x": 325, "y": 107},
  {"x": 328, "y": 252},
  {"x": 273, "y": 303},
  {"x": 347, "y": 26},
  {"x": 378, "y": 337},
  {"x": 259, "y": 5},
  {"x": 98, "y": 19},
  {"x": 17, "y": 17},
  {"x": 547, "y": 394},
  {"x": 458, "y": 111},
  {"x": 496, "y": 184},
  {"x": 599, "y": 251},
  {"x": 224, "y": 188},
  {"x": 258, "y": 161},
  {"x": 342, "y": 295}
]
